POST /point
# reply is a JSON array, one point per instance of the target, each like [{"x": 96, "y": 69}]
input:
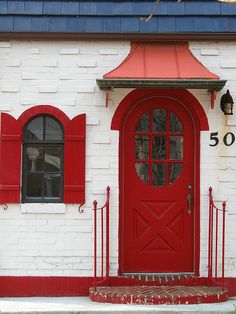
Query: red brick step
[{"x": 159, "y": 294}]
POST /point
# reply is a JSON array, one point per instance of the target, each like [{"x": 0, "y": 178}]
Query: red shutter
[
  {"x": 10, "y": 159},
  {"x": 74, "y": 161}
]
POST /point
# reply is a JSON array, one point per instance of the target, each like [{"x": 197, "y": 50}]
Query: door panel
[{"x": 158, "y": 188}]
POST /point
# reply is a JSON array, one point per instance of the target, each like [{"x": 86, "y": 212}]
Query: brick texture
[{"x": 61, "y": 244}]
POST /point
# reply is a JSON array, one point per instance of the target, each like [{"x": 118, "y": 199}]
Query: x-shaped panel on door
[{"x": 158, "y": 226}]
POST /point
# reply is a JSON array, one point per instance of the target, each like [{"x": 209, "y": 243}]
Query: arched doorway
[{"x": 159, "y": 181}]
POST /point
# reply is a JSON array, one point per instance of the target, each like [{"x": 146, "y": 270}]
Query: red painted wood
[
  {"x": 157, "y": 228},
  {"x": 10, "y": 159},
  {"x": 43, "y": 109},
  {"x": 75, "y": 286},
  {"x": 181, "y": 95},
  {"x": 230, "y": 284},
  {"x": 158, "y": 60},
  {"x": 74, "y": 165},
  {"x": 44, "y": 286}
]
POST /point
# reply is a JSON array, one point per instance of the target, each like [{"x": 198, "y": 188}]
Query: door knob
[{"x": 189, "y": 197}]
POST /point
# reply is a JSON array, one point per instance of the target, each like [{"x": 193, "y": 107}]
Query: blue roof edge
[{"x": 126, "y": 16}]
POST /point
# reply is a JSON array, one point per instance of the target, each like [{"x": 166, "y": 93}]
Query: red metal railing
[
  {"x": 216, "y": 218},
  {"x": 104, "y": 238}
]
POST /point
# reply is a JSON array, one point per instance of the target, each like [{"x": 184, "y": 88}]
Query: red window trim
[
  {"x": 43, "y": 109},
  {"x": 74, "y": 154}
]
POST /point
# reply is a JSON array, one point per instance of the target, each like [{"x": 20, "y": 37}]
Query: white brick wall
[
  {"x": 64, "y": 74},
  {"x": 218, "y": 163}
]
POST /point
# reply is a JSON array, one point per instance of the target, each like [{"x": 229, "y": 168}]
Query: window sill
[{"x": 43, "y": 208}]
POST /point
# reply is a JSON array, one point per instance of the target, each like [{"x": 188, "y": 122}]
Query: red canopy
[
  {"x": 161, "y": 64},
  {"x": 162, "y": 61}
]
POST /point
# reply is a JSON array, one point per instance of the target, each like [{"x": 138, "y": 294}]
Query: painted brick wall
[
  {"x": 218, "y": 164},
  {"x": 57, "y": 241}
]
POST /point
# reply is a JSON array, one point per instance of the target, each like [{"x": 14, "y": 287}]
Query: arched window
[
  {"x": 51, "y": 148},
  {"x": 43, "y": 152}
]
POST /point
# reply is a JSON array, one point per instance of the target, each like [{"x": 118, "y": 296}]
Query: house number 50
[{"x": 228, "y": 139}]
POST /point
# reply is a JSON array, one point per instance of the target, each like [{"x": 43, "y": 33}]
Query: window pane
[
  {"x": 53, "y": 158},
  {"x": 159, "y": 174},
  {"x": 34, "y": 185},
  {"x": 175, "y": 124},
  {"x": 35, "y": 130},
  {"x": 159, "y": 147},
  {"x": 159, "y": 120},
  {"x": 141, "y": 147},
  {"x": 143, "y": 123},
  {"x": 53, "y": 130},
  {"x": 142, "y": 171},
  {"x": 52, "y": 184},
  {"x": 176, "y": 147},
  {"x": 34, "y": 157},
  {"x": 175, "y": 170}
]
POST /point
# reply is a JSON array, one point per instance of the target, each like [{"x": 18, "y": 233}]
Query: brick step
[
  {"x": 163, "y": 278},
  {"x": 159, "y": 294},
  {"x": 154, "y": 280}
]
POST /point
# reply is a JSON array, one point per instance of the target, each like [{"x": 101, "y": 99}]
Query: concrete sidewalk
[{"x": 69, "y": 305}]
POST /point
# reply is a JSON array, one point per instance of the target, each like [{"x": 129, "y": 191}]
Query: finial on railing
[
  {"x": 108, "y": 189},
  {"x": 95, "y": 204},
  {"x": 210, "y": 190}
]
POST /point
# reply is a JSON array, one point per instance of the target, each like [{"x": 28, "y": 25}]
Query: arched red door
[{"x": 158, "y": 188}]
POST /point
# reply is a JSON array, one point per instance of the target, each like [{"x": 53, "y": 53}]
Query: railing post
[
  {"x": 107, "y": 230},
  {"x": 223, "y": 242},
  {"x": 214, "y": 232},
  {"x": 210, "y": 235},
  {"x": 108, "y": 233},
  {"x": 102, "y": 242},
  {"x": 95, "y": 244},
  {"x": 216, "y": 243}
]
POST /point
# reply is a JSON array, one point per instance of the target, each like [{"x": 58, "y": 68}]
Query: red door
[{"x": 158, "y": 188}]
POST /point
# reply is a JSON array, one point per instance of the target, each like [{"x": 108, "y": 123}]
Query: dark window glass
[
  {"x": 52, "y": 158},
  {"x": 52, "y": 185},
  {"x": 159, "y": 151},
  {"x": 143, "y": 123},
  {"x": 53, "y": 130},
  {"x": 34, "y": 158},
  {"x": 159, "y": 147},
  {"x": 142, "y": 171},
  {"x": 43, "y": 160},
  {"x": 175, "y": 124},
  {"x": 159, "y": 120},
  {"x": 176, "y": 147},
  {"x": 34, "y": 185},
  {"x": 175, "y": 170},
  {"x": 34, "y": 130},
  {"x": 159, "y": 174},
  {"x": 142, "y": 147}
]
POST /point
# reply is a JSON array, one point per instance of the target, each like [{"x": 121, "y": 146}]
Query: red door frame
[{"x": 200, "y": 123}]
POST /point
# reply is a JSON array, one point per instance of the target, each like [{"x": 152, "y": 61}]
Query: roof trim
[
  {"x": 155, "y": 37},
  {"x": 210, "y": 84}
]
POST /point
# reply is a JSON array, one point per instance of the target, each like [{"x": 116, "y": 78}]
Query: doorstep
[{"x": 149, "y": 295}]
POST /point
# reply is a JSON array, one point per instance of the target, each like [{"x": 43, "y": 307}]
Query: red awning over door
[
  {"x": 161, "y": 64},
  {"x": 161, "y": 60}
]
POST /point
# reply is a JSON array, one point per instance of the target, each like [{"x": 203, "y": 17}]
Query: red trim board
[{"x": 14, "y": 286}]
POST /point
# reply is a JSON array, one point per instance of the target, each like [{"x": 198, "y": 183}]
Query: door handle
[{"x": 189, "y": 197}]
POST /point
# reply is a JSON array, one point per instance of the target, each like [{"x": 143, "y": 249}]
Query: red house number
[{"x": 228, "y": 139}]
